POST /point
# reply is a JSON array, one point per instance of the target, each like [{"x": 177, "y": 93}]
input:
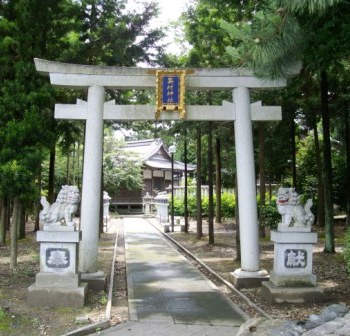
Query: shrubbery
[
  {"x": 347, "y": 250},
  {"x": 228, "y": 203},
  {"x": 269, "y": 215},
  {"x": 227, "y": 206}
]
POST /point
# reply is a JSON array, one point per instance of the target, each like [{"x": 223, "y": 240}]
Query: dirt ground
[
  {"x": 330, "y": 269},
  {"x": 16, "y": 318}
]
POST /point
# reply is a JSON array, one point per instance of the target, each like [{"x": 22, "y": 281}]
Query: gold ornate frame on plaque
[{"x": 170, "y": 91}]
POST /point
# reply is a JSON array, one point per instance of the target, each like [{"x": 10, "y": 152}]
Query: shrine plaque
[
  {"x": 171, "y": 91},
  {"x": 57, "y": 258},
  {"x": 295, "y": 258}
]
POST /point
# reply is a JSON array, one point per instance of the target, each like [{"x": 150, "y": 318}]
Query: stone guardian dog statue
[
  {"x": 293, "y": 213},
  {"x": 64, "y": 208}
]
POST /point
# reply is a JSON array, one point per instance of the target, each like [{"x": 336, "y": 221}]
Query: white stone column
[
  {"x": 248, "y": 219},
  {"x": 92, "y": 170}
]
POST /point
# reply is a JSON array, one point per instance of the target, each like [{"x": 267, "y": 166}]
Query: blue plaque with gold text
[{"x": 171, "y": 91}]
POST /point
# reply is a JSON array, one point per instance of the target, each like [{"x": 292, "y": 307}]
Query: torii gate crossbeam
[{"x": 97, "y": 79}]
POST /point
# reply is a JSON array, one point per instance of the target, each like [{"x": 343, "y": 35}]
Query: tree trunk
[
  {"x": 68, "y": 169},
  {"x": 347, "y": 144},
  {"x": 9, "y": 208},
  {"x": 327, "y": 168},
  {"x": 51, "y": 187},
  {"x": 37, "y": 205},
  {"x": 262, "y": 179},
  {"x": 199, "y": 184},
  {"x": 15, "y": 215},
  {"x": 78, "y": 165},
  {"x": 73, "y": 165},
  {"x": 218, "y": 180},
  {"x": 320, "y": 189},
  {"x": 210, "y": 184},
  {"x": 2, "y": 221},
  {"x": 294, "y": 164},
  {"x": 7, "y": 214},
  {"x": 186, "y": 184},
  {"x": 21, "y": 225}
]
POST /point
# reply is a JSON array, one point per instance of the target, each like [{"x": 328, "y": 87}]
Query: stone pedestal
[
  {"x": 58, "y": 282},
  {"x": 292, "y": 279},
  {"x": 106, "y": 204},
  {"x": 245, "y": 279},
  {"x": 95, "y": 280},
  {"x": 147, "y": 201},
  {"x": 161, "y": 202}
]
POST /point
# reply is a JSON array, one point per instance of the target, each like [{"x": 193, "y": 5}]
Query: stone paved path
[{"x": 167, "y": 295}]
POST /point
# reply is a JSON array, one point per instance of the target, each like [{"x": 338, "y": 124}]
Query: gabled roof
[{"x": 153, "y": 154}]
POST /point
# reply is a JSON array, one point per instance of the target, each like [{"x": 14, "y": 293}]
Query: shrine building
[{"x": 156, "y": 172}]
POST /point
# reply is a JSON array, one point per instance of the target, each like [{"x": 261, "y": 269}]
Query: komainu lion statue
[
  {"x": 293, "y": 213},
  {"x": 65, "y": 207}
]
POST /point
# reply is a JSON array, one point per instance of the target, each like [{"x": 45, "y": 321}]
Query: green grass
[{"x": 5, "y": 321}]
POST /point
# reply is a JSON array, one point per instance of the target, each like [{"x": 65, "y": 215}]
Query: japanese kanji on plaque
[
  {"x": 295, "y": 258},
  {"x": 171, "y": 91}
]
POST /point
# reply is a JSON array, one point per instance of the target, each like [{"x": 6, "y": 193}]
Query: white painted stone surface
[
  {"x": 293, "y": 257},
  {"x": 92, "y": 174},
  {"x": 161, "y": 202},
  {"x": 83, "y": 76},
  {"x": 250, "y": 260},
  {"x": 58, "y": 236},
  {"x": 68, "y": 250},
  {"x": 226, "y": 112},
  {"x": 293, "y": 237}
]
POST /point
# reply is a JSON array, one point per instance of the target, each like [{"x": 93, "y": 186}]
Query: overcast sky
[{"x": 170, "y": 10}]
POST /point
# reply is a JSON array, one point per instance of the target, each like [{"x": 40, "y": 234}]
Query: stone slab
[
  {"x": 59, "y": 236},
  {"x": 282, "y": 228},
  {"x": 96, "y": 281},
  {"x": 151, "y": 328},
  {"x": 247, "y": 282},
  {"x": 294, "y": 237},
  {"x": 275, "y": 294},
  {"x": 293, "y": 280},
  {"x": 59, "y": 227},
  {"x": 57, "y": 296},
  {"x": 82, "y": 76},
  {"x": 164, "y": 287},
  {"x": 70, "y": 280}
]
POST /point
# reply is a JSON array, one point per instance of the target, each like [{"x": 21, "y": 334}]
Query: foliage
[
  {"x": 121, "y": 170},
  {"x": 271, "y": 41},
  {"x": 347, "y": 250},
  {"x": 227, "y": 206},
  {"x": 110, "y": 34},
  {"x": 5, "y": 321},
  {"x": 269, "y": 215},
  {"x": 285, "y": 32}
]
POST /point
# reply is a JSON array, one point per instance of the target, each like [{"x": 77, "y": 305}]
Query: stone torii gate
[{"x": 96, "y": 79}]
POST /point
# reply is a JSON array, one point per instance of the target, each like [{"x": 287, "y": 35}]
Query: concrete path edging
[{"x": 105, "y": 323}]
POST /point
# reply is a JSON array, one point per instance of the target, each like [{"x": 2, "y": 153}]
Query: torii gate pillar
[
  {"x": 92, "y": 173},
  {"x": 249, "y": 275}
]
